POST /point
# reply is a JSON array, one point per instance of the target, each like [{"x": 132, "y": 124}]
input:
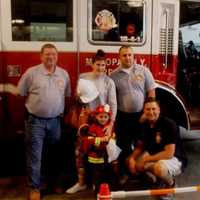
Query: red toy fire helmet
[{"x": 103, "y": 109}]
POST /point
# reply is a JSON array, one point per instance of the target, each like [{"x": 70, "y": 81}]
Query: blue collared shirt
[
  {"x": 45, "y": 92},
  {"x": 132, "y": 87}
]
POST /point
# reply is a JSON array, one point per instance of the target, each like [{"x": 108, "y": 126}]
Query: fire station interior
[
  {"x": 189, "y": 57},
  {"x": 188, "y": 86}
]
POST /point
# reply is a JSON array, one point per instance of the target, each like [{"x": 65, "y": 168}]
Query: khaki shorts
[{"x": 173, "y": 165}]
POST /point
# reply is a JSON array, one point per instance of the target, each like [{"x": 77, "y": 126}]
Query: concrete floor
[{"x": 14, "y": 188}]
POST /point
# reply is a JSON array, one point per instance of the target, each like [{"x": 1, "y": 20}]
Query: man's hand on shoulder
[{"x": 143, "y": 118}]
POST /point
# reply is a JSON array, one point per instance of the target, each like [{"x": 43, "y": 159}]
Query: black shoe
[
  {"x": 46, "y": 191},
  {"x": 162, "y": 185},
  {"x": 123, "y": 179}
]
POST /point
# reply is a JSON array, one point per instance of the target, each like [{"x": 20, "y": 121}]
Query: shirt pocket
[{"x": 38, "y": 86}]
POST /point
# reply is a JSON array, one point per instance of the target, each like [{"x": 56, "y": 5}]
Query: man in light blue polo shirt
[
  {"x": 133, "y": 84},
  {"x": 45, "y": 87}
]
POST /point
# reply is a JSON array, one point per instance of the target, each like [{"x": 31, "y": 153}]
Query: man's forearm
[{"x": 163, "y": 155}]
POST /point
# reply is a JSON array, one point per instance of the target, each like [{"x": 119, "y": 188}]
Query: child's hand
[
  {"x": 113, "y": 135},
  {"x": 108, "y": 130},
  {"x": 105, "y": 138}
]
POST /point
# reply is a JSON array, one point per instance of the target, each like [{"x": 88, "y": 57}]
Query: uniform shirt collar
[
  {"x": 45, "y": 72},
  {"x": 127, "y": 71}
]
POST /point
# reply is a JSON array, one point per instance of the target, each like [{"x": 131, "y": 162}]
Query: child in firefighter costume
[
  {"x": 99, "y": 148},
  {"x": 96, "y": 149}
]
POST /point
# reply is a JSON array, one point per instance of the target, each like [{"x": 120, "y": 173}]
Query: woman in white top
[
  {"x": 106, "y": 95},
  {"x": 104, "y": 84}
]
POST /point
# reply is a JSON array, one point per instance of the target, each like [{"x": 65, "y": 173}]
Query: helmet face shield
[{"x": 86, "y": 90}]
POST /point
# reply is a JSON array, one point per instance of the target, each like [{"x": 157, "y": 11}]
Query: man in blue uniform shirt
[
  {"x": 45, "y": 87},
  {"x": 133, "y": 83}
]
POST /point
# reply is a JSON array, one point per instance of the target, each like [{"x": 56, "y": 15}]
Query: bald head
[{"x": 126, "y": 56}]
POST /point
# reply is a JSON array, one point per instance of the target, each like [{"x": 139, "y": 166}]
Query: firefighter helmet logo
[{"x": 105, "y": 20}]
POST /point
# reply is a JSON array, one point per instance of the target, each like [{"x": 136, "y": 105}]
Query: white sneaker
[{"x": 76, "y": 188}]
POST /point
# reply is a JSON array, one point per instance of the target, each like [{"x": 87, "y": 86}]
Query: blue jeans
[{"x": 38, "y": 131}]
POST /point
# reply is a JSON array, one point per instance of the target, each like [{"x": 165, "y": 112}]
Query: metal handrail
[{"x": 166, "y": 13}]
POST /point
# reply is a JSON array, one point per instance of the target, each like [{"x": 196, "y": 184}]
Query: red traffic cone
[{"x": 104, "y": 192}]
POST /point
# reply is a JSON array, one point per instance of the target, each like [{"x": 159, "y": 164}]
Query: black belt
[
  {"x": 44, "y": 118},
  {"x": 129, "y": 114}
]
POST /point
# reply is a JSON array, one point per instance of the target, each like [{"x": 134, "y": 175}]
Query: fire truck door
[{"x": 20, "y": 43}]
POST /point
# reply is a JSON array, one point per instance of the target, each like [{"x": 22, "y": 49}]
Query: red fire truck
[{"x": 78, "y": 28}]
